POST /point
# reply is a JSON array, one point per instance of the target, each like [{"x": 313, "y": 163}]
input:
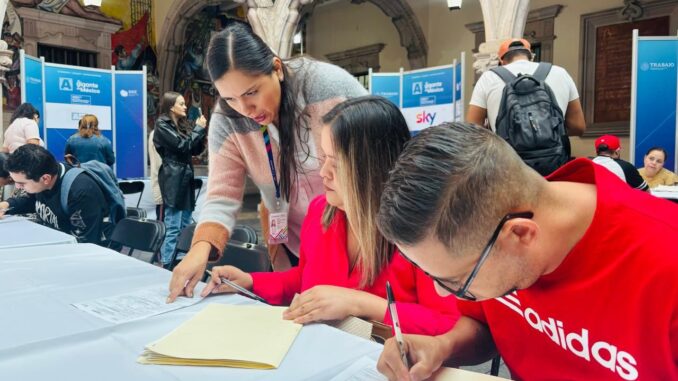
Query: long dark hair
[
  {"x": 238, "y": 47},
  {"x": 3, "y": 158},
  {"x": 166, "y": 104},
  {"x": 25, "y": 110},
  {"x": 368, "y": 134}
]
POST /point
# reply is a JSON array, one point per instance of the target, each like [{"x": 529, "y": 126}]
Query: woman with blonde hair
[
  {"x": 344, "y": 260},
  {"x": 88, "y": 143}
]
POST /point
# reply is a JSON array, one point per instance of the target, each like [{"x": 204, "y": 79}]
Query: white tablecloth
[
  {"x": 43, "y": 337},
  {"x": 148, "y": 204},
  {"x": 22, "y": 232}
]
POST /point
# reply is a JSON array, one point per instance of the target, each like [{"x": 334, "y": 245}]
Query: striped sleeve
[{"x": 225, "y": 187}]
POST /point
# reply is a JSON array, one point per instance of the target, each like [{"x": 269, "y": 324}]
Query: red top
[
  {"x": 323, "y": 260},
  {"x": 610, "y": 310}
]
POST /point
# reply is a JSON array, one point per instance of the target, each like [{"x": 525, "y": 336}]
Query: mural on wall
[
  {"x": 191, "y": 77},
  {"x": 132, "y": 51},
  {"x": 11, "y": 33}
]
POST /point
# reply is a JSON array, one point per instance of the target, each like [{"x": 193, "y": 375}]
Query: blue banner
[
  {"x": 129, "y": 111},
  {"x": 32, "y": 87},
  {"x": 387, "y": 86},
  {"x": 428, "y": 97},
  {"x": 458, "y": 102},
  {"x": 70, "y": 93},
  {"x": 655, "y": 119}
]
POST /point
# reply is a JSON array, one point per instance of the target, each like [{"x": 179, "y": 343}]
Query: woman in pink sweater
[
  {"x": 267, "y": 106},
  {"x": 345, "y": 261}
]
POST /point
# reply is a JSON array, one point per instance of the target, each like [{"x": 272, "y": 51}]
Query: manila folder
[{"x": 253, "y": 337}]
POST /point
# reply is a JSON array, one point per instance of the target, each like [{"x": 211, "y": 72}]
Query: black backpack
[{"x": 530, "y": 120}]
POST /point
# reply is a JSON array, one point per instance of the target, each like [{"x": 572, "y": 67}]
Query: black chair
[
  {"x": 244, "y": 234},
  {"x": 197, "y": 187},
  {"x": 131, "y": 187},
  {"x": 137, "y": 213},
  {"x": 245, "y": 256},
  {"x": 131, "y": 234},
  {"x": 183, "y": 244},
  {"x": 494, "y": 368},
  {"x": 241, "y": 235}
]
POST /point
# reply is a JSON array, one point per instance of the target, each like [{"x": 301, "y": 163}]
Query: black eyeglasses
[{"x": 463, "y": 292}]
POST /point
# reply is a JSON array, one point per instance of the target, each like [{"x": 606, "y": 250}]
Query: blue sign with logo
[
  {"x": 31, "y": 89},
  {"x": 130, "y": 101},
  {"x": 428, "y": 97},
  {"x": 70, "y": 93},
  {"x": 655, "y": 108},
  {"x": 386, "y": 85}
]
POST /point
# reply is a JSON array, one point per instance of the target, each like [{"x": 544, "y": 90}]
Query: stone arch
[
  {"x": 172, "y": 34},
  {"x": 411, "y": 35}
]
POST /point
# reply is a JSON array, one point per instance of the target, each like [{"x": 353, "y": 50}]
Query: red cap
[
  {"x": 611, "y": 141},
  {"x": 513, "y": 44}
]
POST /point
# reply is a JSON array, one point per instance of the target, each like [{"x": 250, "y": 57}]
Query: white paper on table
[
  {"x": 11, "y": 218},
  {"x": 135, "y": 305},
  {"x": 365, "y": 369}
]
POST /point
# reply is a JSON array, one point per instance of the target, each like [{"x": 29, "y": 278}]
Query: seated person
[
  {"x": 5, "y": 179},
  {"x": 608, "y": 149},
  {"x": 564, "y": 277},
  {"x": 654, "y": 172},
  {"x": 35, "y": 170},
  {"x": 345, "y": 262},
  {"x": 89, "y": 144}
]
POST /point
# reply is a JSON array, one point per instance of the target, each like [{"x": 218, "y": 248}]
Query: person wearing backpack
[
  {"x": 34, "y": 169},
  {"x": 533, "y": 106}
]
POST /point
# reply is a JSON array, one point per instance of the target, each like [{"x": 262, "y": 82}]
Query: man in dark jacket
[{"x": 35, "y": 170}]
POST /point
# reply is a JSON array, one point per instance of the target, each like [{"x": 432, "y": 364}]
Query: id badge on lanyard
[{"x": 277, "y": 219}]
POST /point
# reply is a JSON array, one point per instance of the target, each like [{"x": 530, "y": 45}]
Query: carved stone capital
[
  {"x": 275, "y": 22},
  {"x": 501, "y": 20},
  {"x": 486, "y": 57}
]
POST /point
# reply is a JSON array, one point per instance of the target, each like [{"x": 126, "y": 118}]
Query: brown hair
[
  {"x": 88, "y": 126},
  {"x": 169, "y": 99},
  {"x": 454, "y": 182},
  {"x": 368, "y": 134}
]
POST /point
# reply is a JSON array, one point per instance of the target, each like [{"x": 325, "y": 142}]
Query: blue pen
[
  {"x": 240, "y": 289},
  {"x": 396, "y": 324}
]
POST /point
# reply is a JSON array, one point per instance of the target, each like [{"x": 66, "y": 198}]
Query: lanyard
[{"x": 271, "y": 163}]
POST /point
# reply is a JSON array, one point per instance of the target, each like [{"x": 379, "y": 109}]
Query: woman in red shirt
[{"x": 345, "y": 261}]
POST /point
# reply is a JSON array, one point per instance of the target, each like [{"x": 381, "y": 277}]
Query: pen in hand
[
  {"x": 396, "y": 324},
  {"x": 240, "y": 289}
]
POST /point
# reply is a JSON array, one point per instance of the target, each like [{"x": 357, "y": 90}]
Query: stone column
[
  {"x": 5, "y": 58},
  {"x": 275, "y": 22},
  {"x": 503, "y": 19}
]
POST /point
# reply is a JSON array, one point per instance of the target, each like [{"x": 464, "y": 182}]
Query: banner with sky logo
[
  {"x": 653, "y": 98},
  {"x": 426, "y": 97},
  {"x": 64, "y": 94}
]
